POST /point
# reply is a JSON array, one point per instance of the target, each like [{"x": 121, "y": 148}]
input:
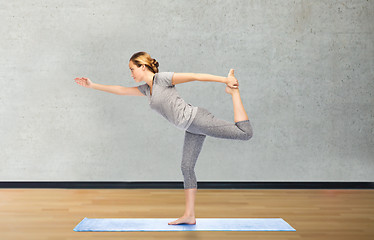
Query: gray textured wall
[{"x": 306, "y": 72}]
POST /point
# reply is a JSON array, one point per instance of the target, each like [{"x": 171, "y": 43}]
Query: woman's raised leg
[
  {"x": 207, "y": 124},
  {"x": 239, "y": 111}
]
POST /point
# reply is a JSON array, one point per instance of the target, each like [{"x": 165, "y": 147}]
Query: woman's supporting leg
[{"x": 193, "y": 144}]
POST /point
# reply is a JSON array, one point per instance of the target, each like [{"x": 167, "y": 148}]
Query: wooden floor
[{"x": 315, "y": 214}]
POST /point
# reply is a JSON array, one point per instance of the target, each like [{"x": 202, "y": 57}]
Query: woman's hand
[
  {"x": 232, "y": 82},
  {"x": 85, "y": 82}
]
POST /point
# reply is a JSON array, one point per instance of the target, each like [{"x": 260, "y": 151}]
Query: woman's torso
[{"x": 165, "y": 100}]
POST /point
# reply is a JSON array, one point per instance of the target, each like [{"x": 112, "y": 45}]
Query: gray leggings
[{"x": 206, "y": 124}]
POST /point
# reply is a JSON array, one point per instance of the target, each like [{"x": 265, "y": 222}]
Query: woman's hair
[{"x": 141, "y": 58}]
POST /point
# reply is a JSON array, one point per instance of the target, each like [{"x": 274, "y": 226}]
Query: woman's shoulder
[
  {"x": 164, "y": 74},
  {"x": 144, "y": 88},
  {"x": 164, "y": 78}
]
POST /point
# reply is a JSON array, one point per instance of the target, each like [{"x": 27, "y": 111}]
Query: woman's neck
[{"x": 149, "y": 78}]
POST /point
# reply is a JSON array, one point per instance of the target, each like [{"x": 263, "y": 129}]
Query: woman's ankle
[{"x": 189, "y": 215}]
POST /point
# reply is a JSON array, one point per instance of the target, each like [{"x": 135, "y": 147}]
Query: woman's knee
[
  {"x": 189, "y": 176},
  {"x": 248, "y": 135},
  {"x": 246, "y": 127}
]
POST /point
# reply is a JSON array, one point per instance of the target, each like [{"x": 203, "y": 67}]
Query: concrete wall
[{"x": 306, "y": 72}]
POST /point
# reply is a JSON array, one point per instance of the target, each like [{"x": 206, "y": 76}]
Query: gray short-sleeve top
[{"x": 166, "y": 101}]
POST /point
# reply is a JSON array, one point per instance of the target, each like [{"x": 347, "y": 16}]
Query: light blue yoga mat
[{"x": 161, "y": 224}]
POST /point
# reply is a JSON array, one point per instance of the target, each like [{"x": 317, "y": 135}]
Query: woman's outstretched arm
[
  {"x": 119, "y": 90},
  {"x": 230, "y": 80}
]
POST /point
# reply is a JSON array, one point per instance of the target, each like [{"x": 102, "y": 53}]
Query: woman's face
[{"x": 136, "y": 72}]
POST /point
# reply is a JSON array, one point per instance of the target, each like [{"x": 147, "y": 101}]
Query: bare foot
[
  {"x": 184, "y": 220},
  {"x": 230, "y": 90}
]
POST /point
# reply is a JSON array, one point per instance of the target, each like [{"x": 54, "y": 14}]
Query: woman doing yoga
[{"x": 197, "y": 122}]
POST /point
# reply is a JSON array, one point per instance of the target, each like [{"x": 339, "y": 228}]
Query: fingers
[
  {"x": 78, "y": 80},
  {"x": 233, "y": 85},
  {"x": 81, "y": 81},
  {"x": 233, "y": 82}
]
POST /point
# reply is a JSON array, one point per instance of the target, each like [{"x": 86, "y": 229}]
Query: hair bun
[{"x": 155, "y": 63}]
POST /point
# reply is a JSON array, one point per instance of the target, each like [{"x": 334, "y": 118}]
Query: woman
[{"x": 197, "y": 122}]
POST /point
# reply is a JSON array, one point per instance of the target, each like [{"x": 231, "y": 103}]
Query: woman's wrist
[{"x": 93, "y": 86}]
